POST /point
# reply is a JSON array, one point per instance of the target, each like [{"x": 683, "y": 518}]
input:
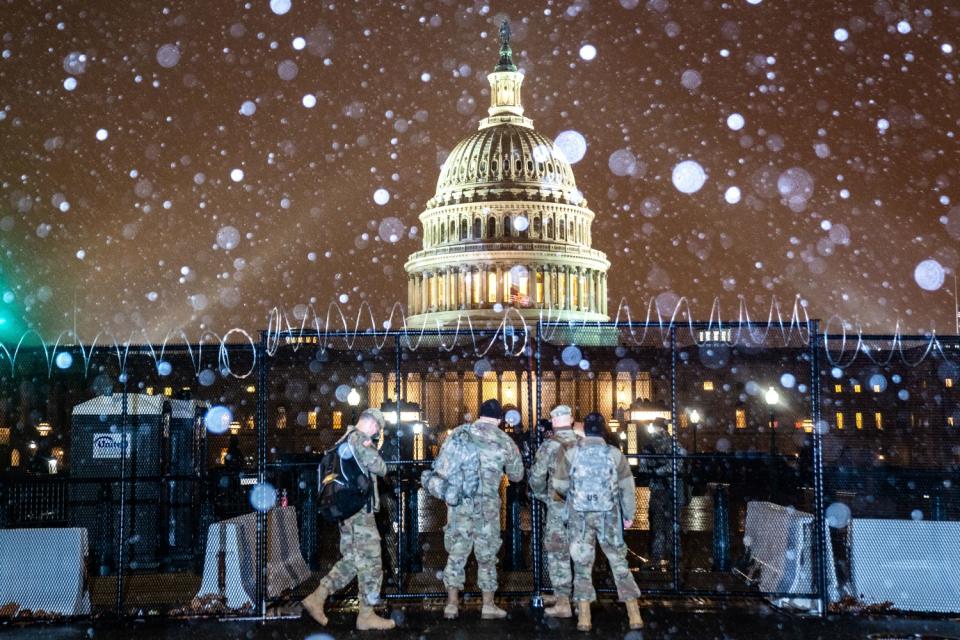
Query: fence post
[
  {"x": 121, "y": 535},
  {"x": 262, "y": 381},
  {"x": 820, "y": 538},
  {"x": 674, "y": 453},
  {"x": 399, "y": 570},
  {"x": 536, "y": 509}
]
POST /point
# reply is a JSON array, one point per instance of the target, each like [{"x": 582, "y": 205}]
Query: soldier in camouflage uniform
[
  {"x": 612, "y": 491},
  {"x": 359, "y": 538},
  {"x": 556, "y": 543},
  {"x": 474, "y": 524}
]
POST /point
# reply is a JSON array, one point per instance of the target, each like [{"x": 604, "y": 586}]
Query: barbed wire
[{"x": 513, "y": 332}]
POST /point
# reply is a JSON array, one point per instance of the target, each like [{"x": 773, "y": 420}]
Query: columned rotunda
[{"x": 507, "y": 227}]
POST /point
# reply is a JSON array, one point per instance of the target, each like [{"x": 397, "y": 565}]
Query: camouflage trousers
[
  {"x": 360, "y": 558},
  {"x": 469, "y": 529},
  {"x": 556, "y": 544},
  {"x": 585, "y": 529}
]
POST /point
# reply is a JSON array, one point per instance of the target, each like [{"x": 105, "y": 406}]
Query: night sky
[{"x": 191, "y": 165}]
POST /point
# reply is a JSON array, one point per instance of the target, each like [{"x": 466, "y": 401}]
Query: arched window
[
  {"x": 463, "y": 229},
  {"x": 453, "y": 230},
  {"x": 443, "y": 232},
  {"x": 549, "y": 228},
  {"x": 536, "y": 226},
  {"x": 562, "y": 227},
  {"x": 570, "y": 236},
  {"x": 477, "y": 229},
  {"x": 491, "y": 227},
  {"x": 507, "y": 229}
]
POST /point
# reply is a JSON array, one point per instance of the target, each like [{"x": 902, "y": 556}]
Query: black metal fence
[{"x": 774, "y": 434}]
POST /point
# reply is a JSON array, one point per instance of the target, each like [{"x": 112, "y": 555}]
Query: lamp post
[
  {"x": 353, "y": 399},
  {"x": 695, "y": 422},
  {"x": 772, "y": 398}
]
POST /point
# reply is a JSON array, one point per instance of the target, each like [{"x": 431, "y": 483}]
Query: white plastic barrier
[
  {"x": 229, "y": 568},
  {"x": 45, "y": 570},
  {"x": 913, "y": 564},
  {"x": 781, "y": 541}
]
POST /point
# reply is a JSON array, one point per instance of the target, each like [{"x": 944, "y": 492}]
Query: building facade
[{"x": 507, "y": 227}]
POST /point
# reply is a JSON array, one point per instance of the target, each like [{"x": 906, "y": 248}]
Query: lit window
[
  {"x": 876, "y": 388},
  {"x": 741, "y": 418},
  {"x": 168, "y": 391},
  {"x": 949, "y": 421},
  {"x": 337, "y": 420},
  {"x": 492, "y": 286},
  {"x": 312, "y": 419},
  {"x": 839, "y": 420},
  {"x": 878, "y": 420},
  {"x": 838, "y": 388},
  {"x": 858, "y": 419},
  {"x": 684, "y": 421},
  {"x": 856, "y": 388},
  {"x": 708, "y": 385},
  {"x": 948, "y": 382},
  {"x": 251, "y": 389},
  {"x": 149, "y": 391}
]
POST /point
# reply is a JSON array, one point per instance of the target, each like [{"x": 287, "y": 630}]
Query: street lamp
[
  {"x": 772, "y": 398},
  {"x": 695, "y": 421},
  {"x": 353, "y": 399}
]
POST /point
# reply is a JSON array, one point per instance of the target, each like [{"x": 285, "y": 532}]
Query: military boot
[
  {"x": 313, "y": 604},
  {"x": 490, "y": 610},
  {"x": 633, "y": 614},
  {"x": 368, "y": 620},
  {"x": 560, "y": 609},
  {"x": 549, "y": 600},
  {"x": 452, "y": 610},
  {"x": 583, "y": 616}
]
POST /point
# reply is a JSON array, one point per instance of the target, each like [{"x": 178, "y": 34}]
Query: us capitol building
[{"x": 507, "y": 227}]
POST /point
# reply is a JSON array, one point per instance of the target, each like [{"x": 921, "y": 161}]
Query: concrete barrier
[
  {"x": 44, "y": 571},
  {"x": 230, "y": 565},
  {"x": 781, "y": 544},
  {"x": 912, "y": 563}
]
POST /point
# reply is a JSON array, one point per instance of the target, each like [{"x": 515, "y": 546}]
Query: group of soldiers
[{"x": 586, "y": 484}]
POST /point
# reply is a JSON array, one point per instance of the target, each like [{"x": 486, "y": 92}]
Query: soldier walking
[
  {"x": 359, "y": 538},
  {"x": 556, "y": 542},
  {"x": 474, "y": 524},
  {"x": 660, "y": 509},
  {"x": 599, "y": 486}
]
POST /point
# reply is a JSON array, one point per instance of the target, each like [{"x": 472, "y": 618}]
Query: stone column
[
  {"x": 482, "y": 272},
  {"x": 411, "y": 295},
  {"x": 547, "y": 292},
  {"x": 568, "y": 274}
]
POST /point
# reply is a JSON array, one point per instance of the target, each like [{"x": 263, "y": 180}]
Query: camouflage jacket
[
  {"x": 369, "y": 458},
  {"x": 498, "y": 455},
  {"x": 545, "y": 464},
  {"x": 628, "y": 498}
]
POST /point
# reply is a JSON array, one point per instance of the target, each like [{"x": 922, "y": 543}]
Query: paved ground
[{"x": 667, "y": 620}]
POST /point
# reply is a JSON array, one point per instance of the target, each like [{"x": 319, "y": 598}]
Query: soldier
[
  {"x": 599, "y": 486},
  {"x": 660, "y": 510},
  {"x": 556, "y": 543},
  {"x": 359, "y": 538},
  {"x": 474, "y": 524}
]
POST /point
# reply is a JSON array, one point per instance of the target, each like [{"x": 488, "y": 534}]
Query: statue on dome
[{"x": 506, "y": 55}]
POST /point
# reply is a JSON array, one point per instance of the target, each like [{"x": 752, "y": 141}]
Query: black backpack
[{"x": 345, "y": 488}]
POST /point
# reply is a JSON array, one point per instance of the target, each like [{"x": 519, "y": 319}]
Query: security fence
[{"x": 769, "y": 461}]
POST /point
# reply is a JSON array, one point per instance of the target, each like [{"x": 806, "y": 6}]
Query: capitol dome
[
  {"x": 506, "y": 159},
  {"x": 507, "y": 227}
]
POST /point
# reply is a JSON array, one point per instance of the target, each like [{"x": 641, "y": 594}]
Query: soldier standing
[
  {"x": 359, "y": 538},
  {"x": 599, "y": 486},
  {"x": 556, "y": 543},
  {"x": 660, "y": 510},
  {"x": 474, "y": 524}
]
